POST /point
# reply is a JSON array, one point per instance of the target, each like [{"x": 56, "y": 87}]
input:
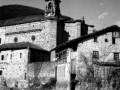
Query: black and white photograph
[{"x": 59, "y": 44}]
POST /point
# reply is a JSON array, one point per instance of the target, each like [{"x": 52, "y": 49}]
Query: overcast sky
[{"x": 101, "y": 13}]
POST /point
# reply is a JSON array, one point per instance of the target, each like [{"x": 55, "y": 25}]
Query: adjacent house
[{"x": 98, "y": 50}]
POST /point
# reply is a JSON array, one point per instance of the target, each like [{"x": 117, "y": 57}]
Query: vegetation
[
  {"x": 85, "y": 76},
  {"x": 50, "y": 85},
  {"x": 114, "y": 79},
  {"x": 47, "y": 86}
]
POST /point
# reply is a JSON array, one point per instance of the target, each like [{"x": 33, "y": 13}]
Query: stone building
[
  {"x": 28, "y": 38},
  {"x": 99, "y": 50},
  {"x": 39, "y": 45}
]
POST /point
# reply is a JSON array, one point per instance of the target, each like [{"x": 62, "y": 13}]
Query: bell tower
[{"x": 52, "y": 8}]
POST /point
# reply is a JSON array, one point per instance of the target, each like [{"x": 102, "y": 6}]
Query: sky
[{"x": 100, "y": 13}]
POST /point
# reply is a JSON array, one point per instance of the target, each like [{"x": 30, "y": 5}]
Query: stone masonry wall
[
  {"x": 106, "y": 49},
  {"x": 2, "y": 35},
  {"x": 103, "y": 45},
  {"x": 74, "y": 29},
  {"x": 40, "y": 72},
  {"x": 13, "y": 67},
  {"x": 41, "y": 33}
]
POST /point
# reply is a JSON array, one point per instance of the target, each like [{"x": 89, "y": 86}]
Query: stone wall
[
  {"x": 41, "y": 33},
  {"x": 103, "y": 45},
  {"x": 40, "y": 72},
  {"x": 2, "y": 35},
  {"x": 106, "y": 49},
  {"x": 13, "y": 66},
  {"x": 74, "y": 30},
  {"x": 25, "y": 27}
]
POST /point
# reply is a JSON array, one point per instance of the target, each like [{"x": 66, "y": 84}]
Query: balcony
[{"x": 62, "y": 56}]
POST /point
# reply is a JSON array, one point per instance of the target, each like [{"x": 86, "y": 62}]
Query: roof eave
[{"x": 89, "y": 36}]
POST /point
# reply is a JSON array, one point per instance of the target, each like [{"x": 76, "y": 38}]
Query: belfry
[{"x": 52, "y": 8}]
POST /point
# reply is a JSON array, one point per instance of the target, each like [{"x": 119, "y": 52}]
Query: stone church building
[{"x": 43, "y": 44}]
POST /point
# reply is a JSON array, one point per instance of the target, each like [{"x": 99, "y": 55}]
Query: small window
[
  {"x": 106, "y": 40},
  {"x": 60, "y": 55},
  {"x": 95, "y": 54},
  {"x": 25, "y": 76},
  {"x": 116, "y": 34},
  {"x": 20, "y": 55},
  {"x": 0, "y": 72},
  {"x": 11, "y": 56},
  {"x": 33, "y": 38},
  {"x": 0, "y": 40},
  {"x": 95, "y": 39},
  {"x": 64, "y": 54},
  {"x": 2, "y": 57},
  {"x": 116, "y": 56},
  {"x": 15, "y": 39},
  {"x": 113, "y": 41}
]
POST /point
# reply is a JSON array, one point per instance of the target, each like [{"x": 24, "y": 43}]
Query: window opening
[
  {"x": 33, "y": 38},
  {"x": 95, "y": 54},
  {"x": 116, "y": 56},
  {"x": 15, "y": 39},
  {"x": 113, "y": 40},
  {"x": 2, "y": 57},
  {"x": 0, "y": 72},
  {"x": 95, "y": 39}
]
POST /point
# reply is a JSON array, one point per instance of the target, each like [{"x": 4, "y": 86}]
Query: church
[{"x": 44, "y": 43}]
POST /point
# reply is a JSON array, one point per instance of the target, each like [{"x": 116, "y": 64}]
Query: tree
[
  {"x": 85, "y": 72},
  {"x": 114, "y": 79}
]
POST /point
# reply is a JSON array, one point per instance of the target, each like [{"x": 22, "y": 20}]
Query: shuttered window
[
  {"x": 95, "y": 54},
  {"x": 116, "y": 56}
]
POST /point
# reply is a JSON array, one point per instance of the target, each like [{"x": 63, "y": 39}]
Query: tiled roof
[
  {"x": 88, "y": 36},
  {"x": 22, "y": 20},
  {"x": 29, "y": 19},
  {"x": 19, "y": 14},
  {"x": 14, "y": 11},
  {"x": 20, "y": 45}
]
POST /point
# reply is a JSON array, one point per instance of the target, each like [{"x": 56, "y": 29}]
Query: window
[
  {"x": 95, "y": 39},
  {"x": 25, "y": 76},
  {"x": 62, "y": 55},
  {"x": 20, "y": 55},
  {"x": 116, "y": 56},
  {"x": 15, "y": 39},
  {"x": 2, "y": 57},
  {"x": 33, "y": 38},
  {"x": 11, "y": 56},
  {"x": 106, "y": 40},
  {"x": 113, "y": 40},
  {"x": 95, "y": 54},
  {"x": 0, "y": 72},
  {"x": 116, "y": 34},
  {"x": 0, "y": 40}
]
